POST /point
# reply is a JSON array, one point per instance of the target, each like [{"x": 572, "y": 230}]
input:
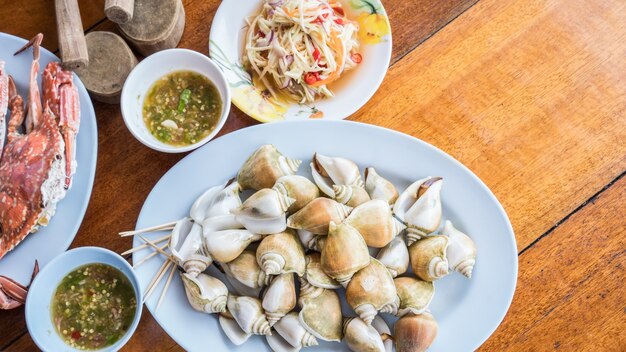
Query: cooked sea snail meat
[{"x": 324, "y": 231}]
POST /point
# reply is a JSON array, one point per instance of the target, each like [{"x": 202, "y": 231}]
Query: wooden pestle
[
  {"x": 119, "y": 11},
  {"x": 72, "y": 42}
]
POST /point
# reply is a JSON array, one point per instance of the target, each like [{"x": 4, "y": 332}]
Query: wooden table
[{"x": 529, "y": 94}]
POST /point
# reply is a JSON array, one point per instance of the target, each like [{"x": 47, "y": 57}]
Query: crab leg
[
  {"x": 12, "y": 293},
  {"x": 4, "y": 103},
  {"x": 34, "y": 115},
  {"x": 16, "y": 104}
]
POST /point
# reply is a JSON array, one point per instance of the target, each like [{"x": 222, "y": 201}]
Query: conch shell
[
  {"x": 370, "y": 289},
  {"x": 428, "y": 257},
  {"x": 415, "y": 333},
  {"x": 186, "y": 246},
  {"x": 414, "y": 296},
  {"x": 205, "y": 293},
  {"x": 320, "y": 312},
  {"x": 299, "y": 188},
  {"x": 316, "y": 215},
  {"x": 419, "y": 206},
  {"x": 264, "y": 167},
  {"x": 294, "y": 333},
  {"x": 227, "y": 245},
  {"x": 310, "y": 240},
  {"x": 220, "y": 223},
  {"x": 344, "y": 253},
  {"x": 264, "y": 212},
  {"x": 360, "y": 336},
  {"x": 232, "y": 330},
  {"x": 379, "y": 188},
  {"x": 216, "y": 201},
  {"x": 374, "y": 221},
  {"x": 281, "y": 253},
  {"x": 395, "y": 256},
  {"x": 245, "y": 271},
  {"x": 351, "y": 196},
  {"x": 383, "y": 329},
  {"x": 328, "y": 171},
  {"x": 461, "y": 252},
  {"x": 279, "y": 298},
  {"x": 278, "y": 344},
  {"x": 315, "y": 275},
  {"x": 248, "y": 313}
]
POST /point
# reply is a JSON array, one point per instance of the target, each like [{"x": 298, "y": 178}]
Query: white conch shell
[
  {"x": 248, "y": 313},
  {"x": 360, "y": 336},
  {"x": 264, "y": 212},
  {"x": 374, "y": 221},
  {"x": 351, "y": 196},
  {"x": 428, "y": 257},
  {"x": 245, "y": 271},
  {"x": 395, "y": 256},
  {"x": 419, "y": 206},
  {"x": 278, "y": 344},
  {"x": 216, "y": 201},
  {"x": 205, "y": 293},
  {"x": 414, "y": 295},
  {"x": 415, "y": 333},
  {"x": 316, "y": 215},
  {"x": 379, "y": 188},
  {"x": 344, "y": 253},
  {"x": 320, "y": 312},
  {"x": 370, "y": 289},
  {"x": 315, "y": 275},
  {"x": 299, "y": 188},
  {"x": 186, "y": 246},
  {"x": 290, "y": 328},
  {"x": 328, "y": 171},
  {"x": 279, "y": 298},
  {"x": 310, "y": 240},
  {"x": 264, "y": 167},
  {"x": 227, "y": 245},
  {"x": 220, "y": 222},
  {"x": 383, "y": 329},
  {"x": 281, "y": 253},
  {"x": 232, "y": 330},
  {"x": 461, "y": 252}
]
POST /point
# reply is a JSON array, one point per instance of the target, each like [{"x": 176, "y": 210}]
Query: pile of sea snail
[{"x": 319, "y": 231}]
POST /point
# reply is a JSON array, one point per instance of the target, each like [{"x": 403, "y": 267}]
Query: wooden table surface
[{"x": 529, "y": 94}]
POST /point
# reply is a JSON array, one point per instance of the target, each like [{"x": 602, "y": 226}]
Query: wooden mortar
[
  {"x": 110, "y": 62},
  {"x": 156, "y": 25}
]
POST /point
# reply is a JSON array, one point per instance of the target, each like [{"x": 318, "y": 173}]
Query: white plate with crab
[
  {"x": 55, "y": 238},
  {"x": 468, "y": 311}
]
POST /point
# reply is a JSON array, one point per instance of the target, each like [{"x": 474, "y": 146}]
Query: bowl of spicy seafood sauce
[{"x": 88, "y": 298}]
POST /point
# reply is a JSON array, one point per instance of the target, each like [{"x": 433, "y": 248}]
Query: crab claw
[
  {"x": 12, "y": 293},
  {"x": 35, "y": 111}
]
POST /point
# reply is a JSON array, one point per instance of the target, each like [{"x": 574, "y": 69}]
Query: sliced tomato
[
  {"x": 311, "y": 77},
  {"x": 316, "y": 54},
  {"x": 356, "y": 57}
]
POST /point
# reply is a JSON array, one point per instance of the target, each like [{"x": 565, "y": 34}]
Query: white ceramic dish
[
  {"x": 352, "y": 90},
  {"x": 156, "y": 66},
  {"x": 53, "y": 239},
  {"x": 38, "y": 314},
  {"x": 467, "y": 311}
]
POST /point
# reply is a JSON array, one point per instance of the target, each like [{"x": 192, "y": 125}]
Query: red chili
[
  {"x": 339, "y": 20},
  {"x": 356, "y": 57},
  {"x": 338, "y": 9},
  {"x": 316, "y": 54},
  {"x": 76, "y": 335},
  {"x": 311, "y": 77}
]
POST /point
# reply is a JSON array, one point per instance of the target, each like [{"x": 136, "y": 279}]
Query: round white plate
[
  {"x": 53, "y": 239},
  {"x": 468, "y": 311},
  {"x": 352, "y": 90}
]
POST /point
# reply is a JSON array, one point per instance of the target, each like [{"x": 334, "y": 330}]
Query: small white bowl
[
  {"x": 38, "y": 314},
  {"x": 151, "y": 69}
]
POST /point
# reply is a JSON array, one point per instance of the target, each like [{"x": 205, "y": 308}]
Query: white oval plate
[
  {"x": 468, "y": 311},
  {"x": 352, "y": 90},
  {"x": 53, "y": 239}
]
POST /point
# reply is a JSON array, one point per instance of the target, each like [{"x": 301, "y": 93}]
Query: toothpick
[
  {"x": 167, "y": 285},
  {"x": 157, "y": 248},
  {"x": 140, "y": 247},
  {"x": 158, "y": 279},
  {"x": 151, "y": 255},
  {"x": 162, "y": 227}
]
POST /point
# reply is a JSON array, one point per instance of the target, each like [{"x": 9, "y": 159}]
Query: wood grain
[
  {"x": 530, "y": 95},
  {"x": 570, "y": 293},
  {"x": 27, "y": 18}
]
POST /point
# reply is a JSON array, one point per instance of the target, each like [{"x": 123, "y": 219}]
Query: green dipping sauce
[
  {"x": 93, "y": 307},
  {"x": 182, "y": 108}
]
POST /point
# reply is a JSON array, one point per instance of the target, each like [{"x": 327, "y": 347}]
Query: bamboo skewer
[
  {"x": 140, "y": 247},
  {"x": 162, "y": 227},
  {"x": 157, "y": 279},
  {"x": 151, "y": 255},
  {"x": 157, "y": 248},
  {"x": 167, "y": 285}
]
